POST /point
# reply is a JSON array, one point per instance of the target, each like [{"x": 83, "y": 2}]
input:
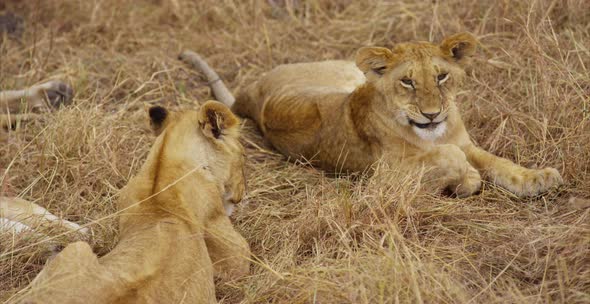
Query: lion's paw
[
  {"x": 533, "y": 182},
  {"x": 452, "y": 171},
  {"x": 470, "y": 184},
  {"x": 57, "y": 92}
]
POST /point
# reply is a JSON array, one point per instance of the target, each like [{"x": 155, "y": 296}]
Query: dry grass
[{"x": 317, "y": 238}]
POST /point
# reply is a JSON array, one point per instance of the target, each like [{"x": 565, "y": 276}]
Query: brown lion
[
  {"x": 18, "y": 215},
  {"x": 393, "y": 105},
  {"x": 174, "y": 230},
  {"x": 25, "y": 104}
]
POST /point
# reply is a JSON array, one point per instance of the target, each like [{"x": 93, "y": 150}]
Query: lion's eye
[
  {"x": 379, "y": 70},
  {"x": 407, "y": 82},
  {"x": 442, "y": 77}
]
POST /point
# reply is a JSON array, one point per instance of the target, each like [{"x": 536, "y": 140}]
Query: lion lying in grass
[
  {"x": 16, "y": 106},
  {"x": 174, "y": 230},
  {"x": 20, "y": 215},
  {"x": 22, "y": 105},
  {"x": 394, "y": 105}
]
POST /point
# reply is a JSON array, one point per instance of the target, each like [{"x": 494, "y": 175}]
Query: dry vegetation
[{"x": 317, "y": 238}]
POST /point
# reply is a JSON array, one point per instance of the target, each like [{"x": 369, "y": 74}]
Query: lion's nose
[{"x": 430, "y": 116}]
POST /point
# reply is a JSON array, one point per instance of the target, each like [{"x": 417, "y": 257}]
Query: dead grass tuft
[{"x": 380, "y": 239}]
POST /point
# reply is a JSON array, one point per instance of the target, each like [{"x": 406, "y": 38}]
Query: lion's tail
[
  {"x": 247, "y": 104},
  {"x": 219, "y": 89}
]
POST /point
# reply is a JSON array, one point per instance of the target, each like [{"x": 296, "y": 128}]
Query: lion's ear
[
  {"x": 158, "y": 116},
  {"x": 373, "y": 59},
  {"x": 216, "y": 120},
  {"x": 459, "y": 47}
]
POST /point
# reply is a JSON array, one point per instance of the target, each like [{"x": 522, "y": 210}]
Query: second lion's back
[
  {"x": 288, "y": 102},
  {"x": 311, "y": 77},
  {"x": 303, "y": 82}
]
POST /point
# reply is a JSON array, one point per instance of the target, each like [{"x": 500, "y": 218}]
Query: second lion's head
[{"x": 418, "y": 80}]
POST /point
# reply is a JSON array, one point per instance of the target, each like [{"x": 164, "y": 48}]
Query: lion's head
[
  {"x": 210, "y": 138},
  {"x": 418, "y": 81}
]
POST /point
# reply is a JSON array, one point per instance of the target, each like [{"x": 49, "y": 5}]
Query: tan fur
[
  {"x": 18, "y": 214},
  {"x": 345, "y": 116},
  {"x": 18, "y": 106},
  {"x": 22, "y": 105},
  {"x": 174, "y": 232}
]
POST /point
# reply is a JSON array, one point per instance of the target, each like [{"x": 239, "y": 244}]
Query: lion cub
[
  {"x": 397, "y": 105},
  {"x": 174, "y": 230}
]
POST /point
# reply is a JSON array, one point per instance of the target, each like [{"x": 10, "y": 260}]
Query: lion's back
[
  {"x": 331, "y": 75},
  {"x": 288, "y": 102},
  {"x": 289, "y": 88}
]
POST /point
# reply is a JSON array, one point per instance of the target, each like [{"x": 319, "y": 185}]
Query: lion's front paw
[
  {"x": 533, "y": 182},
  {"x": 469, "y": 185},
  {"x": 452, "y": 171},
  {"x": 57, "y": 92}
]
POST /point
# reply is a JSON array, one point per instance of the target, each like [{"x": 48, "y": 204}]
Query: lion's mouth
[{"x": 430, "y": 125}]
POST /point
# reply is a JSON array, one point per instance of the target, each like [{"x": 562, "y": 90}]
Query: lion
[
  {"x": 395, "y": 105},
  {"x": 175, "y": 233},
  {"x": 26, "y": 104},
  {"x": 19, "y": 215},
  {"x": 16, "y": 214}
]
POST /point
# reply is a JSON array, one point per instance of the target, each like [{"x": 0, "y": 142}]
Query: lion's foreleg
[
  {"x": 32, "y": 215},
  {"x": 518, "y": 180},
  {"x": 38, "y": 98},
  {"x": 11, "y": 121},
  {"x": 228, "y": 250},
  {"x": 17, "y": 100},
  {"x": 448, "y": 168}
]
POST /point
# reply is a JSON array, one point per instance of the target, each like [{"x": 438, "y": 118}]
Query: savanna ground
[{"x": 314, "y": 237}]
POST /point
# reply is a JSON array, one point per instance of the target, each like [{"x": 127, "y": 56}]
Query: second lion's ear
[
  {"x": 373, "y": 59},
  {"x": 158, "y": 116},
  {"x": 459, "y": 47},
  {"x": 216, "y": 120}
]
